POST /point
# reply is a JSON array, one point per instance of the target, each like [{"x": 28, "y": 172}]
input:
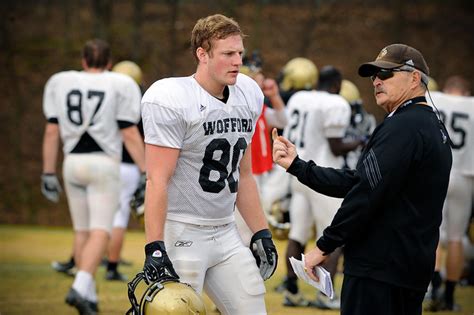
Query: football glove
[
  {"x": 50, "y": 187},
  {"x": 157, "y": 265},
  {"x": 265, "y": 252},
  {"x": 138, "y": 199}
]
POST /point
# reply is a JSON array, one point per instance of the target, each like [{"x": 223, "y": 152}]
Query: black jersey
[{"x": 392, "y": 209}]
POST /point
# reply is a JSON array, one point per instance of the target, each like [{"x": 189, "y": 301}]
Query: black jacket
[{"x": 390, "y": 217}]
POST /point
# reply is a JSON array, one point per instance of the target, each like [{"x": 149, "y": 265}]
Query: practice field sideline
[{"x": 29, "y": 286}]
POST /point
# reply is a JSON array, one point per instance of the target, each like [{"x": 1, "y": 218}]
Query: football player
[
  {"x": 298, "y": 74},
  {"x": 90, "y": 111},
  {"x": 198, "y": 131},
  {"x": 130, "y": 179},
  {"x": 362, "y": 124},
  {"x": 456, "y": 109},
  {"x": 275, "y": 116},
  {"x": 318, "y": 122}
]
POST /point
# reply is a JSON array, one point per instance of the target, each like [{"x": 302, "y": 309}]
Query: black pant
[{"x": 364, "y": 296}]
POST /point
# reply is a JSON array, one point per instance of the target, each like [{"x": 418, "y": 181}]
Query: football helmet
[
  {"x": 350, "y": 92},
  {"x": 129, "y": 68},
  {"x": 299, "y": 74},
  {"x": 246, "y": 70},
  {"x": 432, "y": 85},
  {"x": 138, "y": 211},
  {"x": 167, "y": 296},
  {"x": 279, "y": 217}
]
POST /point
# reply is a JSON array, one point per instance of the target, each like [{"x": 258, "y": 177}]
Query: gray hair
[{"x": 424, "y": 77}]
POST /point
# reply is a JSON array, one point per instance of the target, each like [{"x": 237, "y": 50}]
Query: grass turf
[{"x": 28, "y": 284}]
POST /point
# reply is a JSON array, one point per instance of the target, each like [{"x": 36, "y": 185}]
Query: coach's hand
[
  {"x": 157, "y": 263},
  {"x": 138, "y": 199},
  {"x": 50, "y": 187},
  {"x": 284, "y": 152},
  {"x": 264, "y": 252}
]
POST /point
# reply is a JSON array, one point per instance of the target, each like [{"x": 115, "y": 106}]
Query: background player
[
  {"x": 457, "y": 111},
  {"x": 129, "y": 182},
  {"x": 298, "y": 74},
  {"x": 362, "y": 124},
  {"x": 130, "y": 179},
  {"x": 275, "y": 116},
  {"x": 91, "y": 111},
  {"x": 198, "y": 131},
  {"x": 318, "y": 123}
]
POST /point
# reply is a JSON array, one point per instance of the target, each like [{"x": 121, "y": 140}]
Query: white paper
[{"x": 324, "y": 285}]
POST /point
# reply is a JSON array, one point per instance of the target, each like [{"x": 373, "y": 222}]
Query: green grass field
[{"x": 28, "y": 285}]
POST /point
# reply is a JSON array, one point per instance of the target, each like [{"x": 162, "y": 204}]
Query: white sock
[
  {"x": 92, "y": 292},
  {"x": 82, "y": 283}
]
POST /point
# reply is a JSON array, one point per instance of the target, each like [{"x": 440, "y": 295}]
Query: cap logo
[
  {"x": 410, "y": 63},
  {"x": 382, "y": 54}
]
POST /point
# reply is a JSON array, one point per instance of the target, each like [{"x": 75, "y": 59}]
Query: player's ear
[
  {"x": 202, "y": 55},
  {"x": 84, "y": 64}
]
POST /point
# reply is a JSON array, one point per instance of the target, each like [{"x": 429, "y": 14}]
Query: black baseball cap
[{"x": 395, "y": 56}]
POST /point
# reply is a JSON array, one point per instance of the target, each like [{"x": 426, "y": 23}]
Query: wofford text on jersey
[{"x": 227, "y": 125}]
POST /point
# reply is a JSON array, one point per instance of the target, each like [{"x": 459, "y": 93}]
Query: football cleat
[
  {"x": 293, "y": 300},
  {"x": 282, "y": 286},
  {"x": 438, "y": 305},
  {"x": 325, "y": 303},
  {"x": 67, "y": 268},
  {"x": 114, "y": 275},
  {"x": 84, "y": 306}
]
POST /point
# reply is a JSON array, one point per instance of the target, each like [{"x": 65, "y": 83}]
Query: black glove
[
  {"x": 138, "y": 199},
  {"x": 50, "y": 187},
  {"x": 157, "y": 266},
  {"x": 265, "y": 252}
]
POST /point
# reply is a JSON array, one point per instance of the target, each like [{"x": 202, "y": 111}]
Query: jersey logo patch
[{"x": 202, "y": 107}]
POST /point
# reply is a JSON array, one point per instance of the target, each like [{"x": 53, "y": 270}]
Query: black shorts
[{"x": 364, "y": 296}]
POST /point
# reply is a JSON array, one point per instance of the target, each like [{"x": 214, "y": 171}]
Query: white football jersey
[
  {"x": 457, "y": 112},
  {"x": 93, "y": 103},
  {"x": 212, "y": 136},
  {"x": 314, "y": 117}
]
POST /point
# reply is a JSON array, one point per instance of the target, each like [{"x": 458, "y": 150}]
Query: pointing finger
[{"x": 274, "y": 134}]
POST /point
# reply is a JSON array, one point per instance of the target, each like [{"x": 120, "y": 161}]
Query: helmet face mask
[
  {"x": 299, "y": 74},
  {"x": 167, "y": 296}
]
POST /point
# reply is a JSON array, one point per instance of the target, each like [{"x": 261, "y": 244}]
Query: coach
[{"x": 389, "y": 219}]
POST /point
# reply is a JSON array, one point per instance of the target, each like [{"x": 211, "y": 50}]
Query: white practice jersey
[
  {"x": 457, "y": 112},
  {"x": 93, "y": 103},
  {"x": 316, "y": 116},
  {"x": 212, "y": 136}
]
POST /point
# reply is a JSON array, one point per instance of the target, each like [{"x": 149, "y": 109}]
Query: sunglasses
[{"x": 384, "y": 74}]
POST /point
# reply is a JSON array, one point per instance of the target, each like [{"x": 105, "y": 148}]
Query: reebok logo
[
  {"x": 183, "y": 244},
  {"x": 202, "y": 107}
]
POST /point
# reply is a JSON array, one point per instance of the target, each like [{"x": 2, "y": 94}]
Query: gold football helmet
[
  {"x": 167, "y": 296},
  {"x": 432, "y": 85},
  {"x": 350, "y": 92},
  {"x": 129, "y": 68},
  {"x": 299, "y": 74},
  {"x": 278, "y": 219}
]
